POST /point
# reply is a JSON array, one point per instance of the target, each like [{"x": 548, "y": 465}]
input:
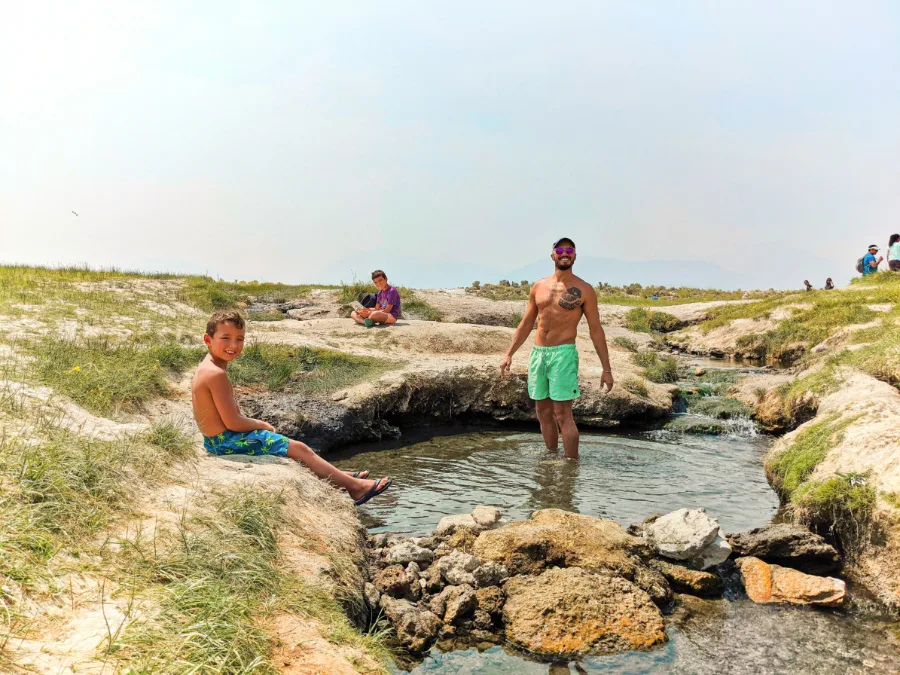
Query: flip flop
[
  {"x": 380, "y": 486},
  {"x": 360, "y": 474}
]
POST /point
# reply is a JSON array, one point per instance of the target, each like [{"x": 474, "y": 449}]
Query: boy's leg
[
  {"x": 549, "y": 429},
  {"x": 356, "y": 317},
  {"x": 382, "y": 317},
  {"x": 562, "y": 412},
  {"x": 357, "y": 487}
]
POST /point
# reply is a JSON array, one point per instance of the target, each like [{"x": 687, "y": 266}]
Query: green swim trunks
[{"x": 553, "y": 373}]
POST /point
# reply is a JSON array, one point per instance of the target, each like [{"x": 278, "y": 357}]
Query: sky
[{"x": 312, "y": 141}]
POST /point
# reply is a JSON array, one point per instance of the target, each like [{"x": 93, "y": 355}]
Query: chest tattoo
[{"x": 571, "y": 299}]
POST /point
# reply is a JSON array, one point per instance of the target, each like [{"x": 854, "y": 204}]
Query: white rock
[
  {"x": 407, "y": 552},
  {"x": 486, "y": 516},
  {"x": 457, "y": 568},
  {"x": 413, "y": 570},
  {"x": 449, "y": 524},
  {"x": 714, "y": 554},
  {"x": 682, "y": 534}
]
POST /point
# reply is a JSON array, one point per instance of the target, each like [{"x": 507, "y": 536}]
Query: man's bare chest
[{"x": 560, "y": 299}]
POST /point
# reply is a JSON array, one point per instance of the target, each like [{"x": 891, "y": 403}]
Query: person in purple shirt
[{"x": 387, "y": 304}]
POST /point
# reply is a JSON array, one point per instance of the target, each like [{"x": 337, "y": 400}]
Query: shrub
[
  {"x": 626, "y": 343},
  {"x": 636, "y": 387},
  {"x": 643, "y": 321}
]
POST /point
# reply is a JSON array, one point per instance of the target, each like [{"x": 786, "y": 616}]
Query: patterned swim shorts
[{"x": 256, "y": 442}]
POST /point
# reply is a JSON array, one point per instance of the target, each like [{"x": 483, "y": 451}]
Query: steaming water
[{"x": 626, "y": 477}]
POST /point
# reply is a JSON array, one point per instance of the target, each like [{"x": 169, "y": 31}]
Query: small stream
[{"x": 626, "y": 477}]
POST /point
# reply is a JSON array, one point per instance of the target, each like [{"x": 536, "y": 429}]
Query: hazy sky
[{"x": 279, "y": 140}]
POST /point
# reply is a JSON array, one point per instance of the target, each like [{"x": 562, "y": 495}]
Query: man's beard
[{"x": 564, "y": 266}]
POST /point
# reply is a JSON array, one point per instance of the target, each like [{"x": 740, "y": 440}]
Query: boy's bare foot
[{"x": 371, "y": 488}]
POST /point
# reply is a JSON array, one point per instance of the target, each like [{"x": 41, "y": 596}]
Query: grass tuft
[
  {"x": 636, "y": 386},
  {"x": 661, "y": 369},
  {"x": 626, "y": 344},
  {"x": 643, "y": 321}
]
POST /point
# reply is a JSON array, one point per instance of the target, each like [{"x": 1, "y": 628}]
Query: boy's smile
[{"x": 227, "y": 343}]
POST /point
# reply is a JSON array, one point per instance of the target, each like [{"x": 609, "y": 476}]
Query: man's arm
[
  {"x": 598, "y": 335},
  {"x": 525, "y": 327},
  {"x": 223, "y": 396}
]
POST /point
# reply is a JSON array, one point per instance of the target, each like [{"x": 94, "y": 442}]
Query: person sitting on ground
[
  {"x": 870, "y": 264},
  {"x": 894, "y": 252},
  {"x": 829, "y": 284},
  {"x": 807, "y": 284},
  {"x": 387, "y": 304},
  {"x": 227, "y": 432}
]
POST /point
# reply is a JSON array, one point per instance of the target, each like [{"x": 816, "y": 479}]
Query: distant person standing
[
  {"x": 869, "y": 262},
  {"x": 829, "y": 284},
  {"x": 807, "y": 284},
  {"x": 894, "y": 252}
]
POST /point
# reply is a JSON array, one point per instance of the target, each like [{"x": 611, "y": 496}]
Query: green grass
[
  {"x": 790, "y": 468},
  {"x": 302, "y": 369},
  {"x": 661, "y": 369},
  {"x": 106, "y": 377},
  {"x": 626, "y": 343},
  {"x": 642, "y": 321},
  {"x": 218, "y": 578},
  {"x": 502, "y": 291},
  {"x": 642, "y": 296},
  {"x": 268, "y": 315},
  {"x": 844, "y": 504},
  {"x": 636, "y": 386},
  {"x": 212, "y": 294}
]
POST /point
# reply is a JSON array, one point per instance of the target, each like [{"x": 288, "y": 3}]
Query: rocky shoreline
[{"x": 564, "y": 585}]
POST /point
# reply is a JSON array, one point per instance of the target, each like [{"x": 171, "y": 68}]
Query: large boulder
[
  {"x": 553, "y": 537},
  {"x": 485, "y": 516},
  {"x": 572, "y": 611},
  {"x": 685, "y": 580},
  {"x": 767, "y": 584},
  {"x": 788, "y": 545},
  {"x": 395, "y": 582},
  {"x": 682, "y": 534},
  {"x": 416, "y": 628}
]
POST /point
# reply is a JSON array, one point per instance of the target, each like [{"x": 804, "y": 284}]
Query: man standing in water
[{"x": 558, "y": 303}]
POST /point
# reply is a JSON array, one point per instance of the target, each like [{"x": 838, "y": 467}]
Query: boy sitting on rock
[
  {"x": 387, "y": 304},
  {"x": 227, "y": 432}
]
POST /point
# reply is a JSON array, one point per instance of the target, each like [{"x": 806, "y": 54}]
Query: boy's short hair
[
  {"x": 379, "y": 273},
  {"x": 224, "y": 316}
]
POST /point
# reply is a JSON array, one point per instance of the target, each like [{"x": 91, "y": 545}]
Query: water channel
[{"x": 626, "y": 477}]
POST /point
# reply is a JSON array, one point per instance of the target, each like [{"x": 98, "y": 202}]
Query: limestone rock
[
  {"x": 372, "y": 595},
  {"x": 682, "y": 534},
  {"x": 416, "y": 628},
  {"x": 490, "y": 600},
  {"x": 462, "y": 539},
  {"x": 430, "y": 543},
  {"x": 449, "y": 524},
  {"x": 485, "y": 516},
  {"x": 413, "y": 570},
  {"x": 394, "y": 581},
  {"x": 639, "y": 529},
  {"x": 490, "y": 574},
  {"x": 482, "y": 620},
  {"x": 432, "y": 579},
  {"x": 715, "y": 553},
  {"x": 692, "y": 582},
  {"x": 553, "y": 537},
  {"x": 767, "y": 583},
  {"x": 572, "y": 611},
  {"x": 787, "y": 545},
  {"x": 654, "y": 584},
  {"x": 457, "y": 568},
  {"x": 460, "y": 603},
  {"x": 407, "y": 552}
]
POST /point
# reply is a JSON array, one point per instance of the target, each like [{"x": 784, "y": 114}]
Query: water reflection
[{"x": 554, "y": 483}]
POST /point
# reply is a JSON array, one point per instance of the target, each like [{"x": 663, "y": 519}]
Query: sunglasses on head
[{"x": 568, "y": 250}]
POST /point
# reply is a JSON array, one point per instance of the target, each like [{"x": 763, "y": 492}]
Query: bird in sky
[{"x": 75, "y": 213}]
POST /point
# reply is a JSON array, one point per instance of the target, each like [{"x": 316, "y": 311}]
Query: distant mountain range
[{"x": 778, "y": 268}]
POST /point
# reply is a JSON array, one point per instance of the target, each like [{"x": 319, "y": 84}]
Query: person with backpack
[
  {"x": 868, "y": 264},
  {"x": 894, "y": 252}
]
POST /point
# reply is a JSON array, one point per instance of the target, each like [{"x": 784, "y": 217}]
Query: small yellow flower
[
  {"x": 155, "y": 367},
  {"x": 76, "y": 369}
]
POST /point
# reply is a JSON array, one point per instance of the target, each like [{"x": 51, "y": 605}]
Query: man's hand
[
  {"x": 505, "y": 365},
  {"x": 607, "y": 379}
]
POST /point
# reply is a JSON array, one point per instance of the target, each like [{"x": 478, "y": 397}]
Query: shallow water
[{"x": 625, "y": 477}]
